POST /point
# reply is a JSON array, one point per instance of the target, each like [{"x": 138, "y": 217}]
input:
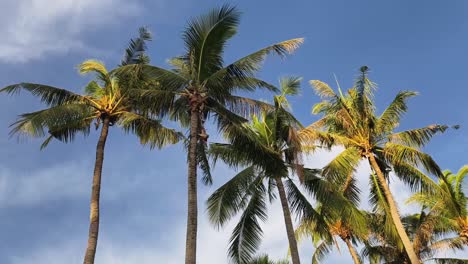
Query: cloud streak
[{"x": 32, "y": 29}]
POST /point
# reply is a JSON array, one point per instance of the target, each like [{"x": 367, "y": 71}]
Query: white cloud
[
  {"x": 32, "y": 28},
  {"x": 18, "y": 188}
]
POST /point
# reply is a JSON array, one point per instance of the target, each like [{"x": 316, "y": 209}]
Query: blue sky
[{"x": 415, "y": 45}]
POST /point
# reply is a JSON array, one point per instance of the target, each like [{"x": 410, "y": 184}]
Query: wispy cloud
[
  {"x": 62, "y": 181},
  {"x": 33, "y": 28}
]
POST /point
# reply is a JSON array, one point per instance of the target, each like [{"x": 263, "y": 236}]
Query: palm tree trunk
[
  {"x": 288, "y": 222},
  {"x": 352, "y": 251},
  {"x": 192, "y": 212},
  {"x": 95, "y": 193},
  {"x": 394, "y": 212}
]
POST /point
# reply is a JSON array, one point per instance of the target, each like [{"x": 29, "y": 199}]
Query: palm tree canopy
[
  {"x": 261, "y": 147},
  {"x": 70, "y": 113},
  {"x": 267, "y": 148},
  {"x": 350, "y": 120},
  {"x": 450, "y": 200}
]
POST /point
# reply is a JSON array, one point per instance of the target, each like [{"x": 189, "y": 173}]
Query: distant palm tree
[
  {"x": 201, "y": 86},
  {"x": 264, "y": 259},
  {"x": 350, "y": 228},
  {"x": 272, "y": 138},
  {"x": 269, "y": 149},
  {"x": 106, "y": 103},
  {"x": 350, "y": 121},
  {"x": 450, "y": 200},
  {"x": 425, "y": 230}
]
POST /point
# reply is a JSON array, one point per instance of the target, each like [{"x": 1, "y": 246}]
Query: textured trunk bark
[
  {"x": 192, "y": 213},
  {"x": 288, "y": 222},
  {"x": 95, "y": 193},
  {"x": 352, "y": 251},
  {"x": 394, "y": 212}
]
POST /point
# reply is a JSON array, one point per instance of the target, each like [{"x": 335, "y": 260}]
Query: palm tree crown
[{"x": 350, "y": 121}]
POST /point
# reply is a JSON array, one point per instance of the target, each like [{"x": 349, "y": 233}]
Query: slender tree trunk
[
  {"x": 394, "y": 212},
  {"x": 95, "y": 193},
  {"x": 192, "y": 213},
  {"x": 288, "y": 222},
  {"x": 352, "y": 251}
]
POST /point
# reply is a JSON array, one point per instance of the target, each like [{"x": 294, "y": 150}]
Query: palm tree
[
  {"x": 350, "y": 121},
  {"x": 106, "y": 103},
  {"x": 268, "y": 148},
  {"x": 351, "y": 229},
  {"x": 264, "y": 259},
  {"x": 200, "y": 86},
  {"x": 425, "y": 230},
  {"x": 450, "y": 199},
  {"x": 272, "y": 136}
]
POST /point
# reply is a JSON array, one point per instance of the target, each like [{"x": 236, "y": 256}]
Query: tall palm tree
[
  {"x": 269, "y": 149},
  {"x": 351, "y": 229},
  {"x": 450, "y": 199},
  {"x": 201, "y": 86},
  {"x": 106, "y": 103},
  {"x": 271, "y": 136},
  {"x": 349, "y": 120}
]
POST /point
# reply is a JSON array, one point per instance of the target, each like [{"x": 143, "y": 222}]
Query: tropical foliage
[
  {"x": 105, "y": 103},
  {"x": 349, "y": 120},
  {"x": 265, "y": 143}
]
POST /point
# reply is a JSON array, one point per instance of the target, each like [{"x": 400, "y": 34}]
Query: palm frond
[
  {"x": 321, "y": 251},
  {"x": 227, "y": 200},
  {"x": 150, "y": 131},
  {"x": 391, "y": 116},
  {"x": 417, "y": 137},
  {"x": 290, "y": 85},
  {"x": 62, "y": 121},
  {"x": 246, "y": 237},
  {"x": 49, "y": 95},
  {"x": 342, "y": 165},
  {"x": 396, "y": 154},
  {"x": 97, "y": 67},
  {"x": 247, "y": 66},
  {"x": 322, "y": 89},
  {"x": 204, "y": 164},
  {"x": 205, "y": 38},
  {"x": 135, "y": 52}
]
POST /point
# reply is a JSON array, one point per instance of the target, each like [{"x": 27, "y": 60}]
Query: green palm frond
[
  {"x": 397, "y": 153},
  {"x": 135, "y": 52},
  {"x": 64, "y": 118},
  {"x": 290, "y": 85},
  {"x": 94, "y": 89},
  {"x": 391, "y": 116},
  {"x": 95, "y": 66},
  {"x": 417, "y": 137},
  {"x": 414, "y": 178},
  {"x": 205, "y": 38},
  {"x": 247, "y": 234},
  {"x": 322, "y": 89},
  {"x": 247, "y": 66},
  {"x": 227, "y": 200},
  {"x": 264, "y": 259},
  {"x": 150, "y": 131},
  {"x": 303, "y": 209},
  {"x": 342, "y": 165},
  {"x": 321, "y": 251},
  {"x": 204, "y": 163},
  {"x": 52, "y": 96},
  {"x": 246, "y": 107}
]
